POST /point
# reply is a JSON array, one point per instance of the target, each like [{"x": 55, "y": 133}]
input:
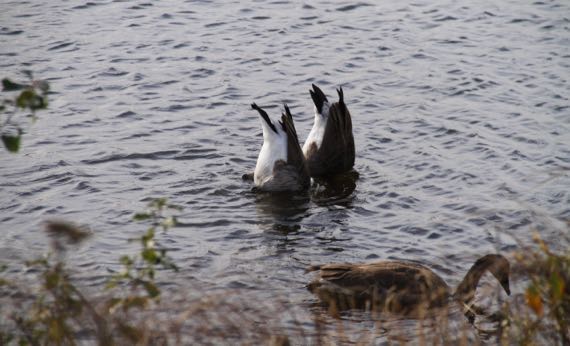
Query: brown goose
[
  {"x": 280, "y": 165},
  {"x": 329, "y": 148},
  {"x": 399, "y": 287}
]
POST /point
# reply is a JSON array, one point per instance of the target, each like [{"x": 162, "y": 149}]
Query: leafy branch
[
  {"x": 139, "y": 270},
  {"x": 57, "y": 311},
  {"x": 31, "y": 97}
]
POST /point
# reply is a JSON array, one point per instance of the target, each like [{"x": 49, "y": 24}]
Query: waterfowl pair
[
  {"x": 328, "y": 150},
  {"x": 399, "y": 287}
]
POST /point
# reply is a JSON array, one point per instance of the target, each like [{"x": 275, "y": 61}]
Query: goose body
[
  {"x": 329, "y": 148},
  {"x": 280, "y": 164},
  {"x": 398, "y": 286}
]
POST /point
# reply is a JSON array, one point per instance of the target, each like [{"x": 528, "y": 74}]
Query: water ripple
[{"x": 460, "y": 122}]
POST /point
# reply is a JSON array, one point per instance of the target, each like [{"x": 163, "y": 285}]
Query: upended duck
[
  {"x": 329, "y": 148},
  {"x": 280, "y": 164},
  {"x": 399, "y": 287}
]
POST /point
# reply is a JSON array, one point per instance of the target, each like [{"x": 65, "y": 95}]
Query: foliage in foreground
[
  {"x": 57, "y": 311},
  {"x": 29, "y": 97},
  {"x": 543, "y": 318}
]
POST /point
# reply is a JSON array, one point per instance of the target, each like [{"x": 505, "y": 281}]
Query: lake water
[{"x": 461, "y": 118}]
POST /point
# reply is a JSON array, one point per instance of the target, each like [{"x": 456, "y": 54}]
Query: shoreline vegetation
[{"x": 131, "y": 309}]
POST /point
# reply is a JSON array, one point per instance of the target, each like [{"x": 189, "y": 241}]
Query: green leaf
[
  {"x": 151, "y": 289},
  {"x": 148, "y": 237},
  {"x": 133, "y": 334},
  {"x": 158, "y": 203},
  {"x": 42, "y": 103},
  {"x": 150, "y": 255},
  {"x": 42, "y": 261},
  {"x": 141, "y": 216},
  {"x": 29, "y": 99},
  {"x": 8, "y": 85},
  {"x": 25, "y": 98},
  {"x": 66, "y": 231},
  {"x": 140, "y": 302},
  {"x": 52, "y": 279},
  {"x": 557, "y": 286},
  {"x": 111, "y": 284},
  {"x": 126, "y": 260},
  {"x": 11, "y": 142}
]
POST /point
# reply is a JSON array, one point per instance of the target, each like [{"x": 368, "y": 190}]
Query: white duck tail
[{"x": 280, "y": 164}]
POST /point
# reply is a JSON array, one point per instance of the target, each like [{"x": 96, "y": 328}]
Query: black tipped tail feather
[
  {"x": 340, "y": 95},
  {"x": 264, "y": 116},
  {"x": 336, "y": 153},
  {"x": 319, "y": 98}
]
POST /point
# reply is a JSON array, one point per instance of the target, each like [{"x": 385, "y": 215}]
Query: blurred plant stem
[
  {"x": 60, "y": 311},
  {"x": 544, "y": 318}
]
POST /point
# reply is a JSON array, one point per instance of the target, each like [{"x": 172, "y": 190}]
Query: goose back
[{"x": 394, "y": 286}]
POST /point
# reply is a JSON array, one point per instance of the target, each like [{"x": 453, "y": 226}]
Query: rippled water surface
[{"x": 460, "y": 112}]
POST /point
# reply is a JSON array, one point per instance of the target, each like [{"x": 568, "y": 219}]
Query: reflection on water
[
  {"x": 337, "y": 189},
  {"x": 283, "y": 207},
  {"x": 364, "y": 327}
]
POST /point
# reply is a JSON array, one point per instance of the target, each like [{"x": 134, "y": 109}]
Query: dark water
[{"x": 460, "y": 111}]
